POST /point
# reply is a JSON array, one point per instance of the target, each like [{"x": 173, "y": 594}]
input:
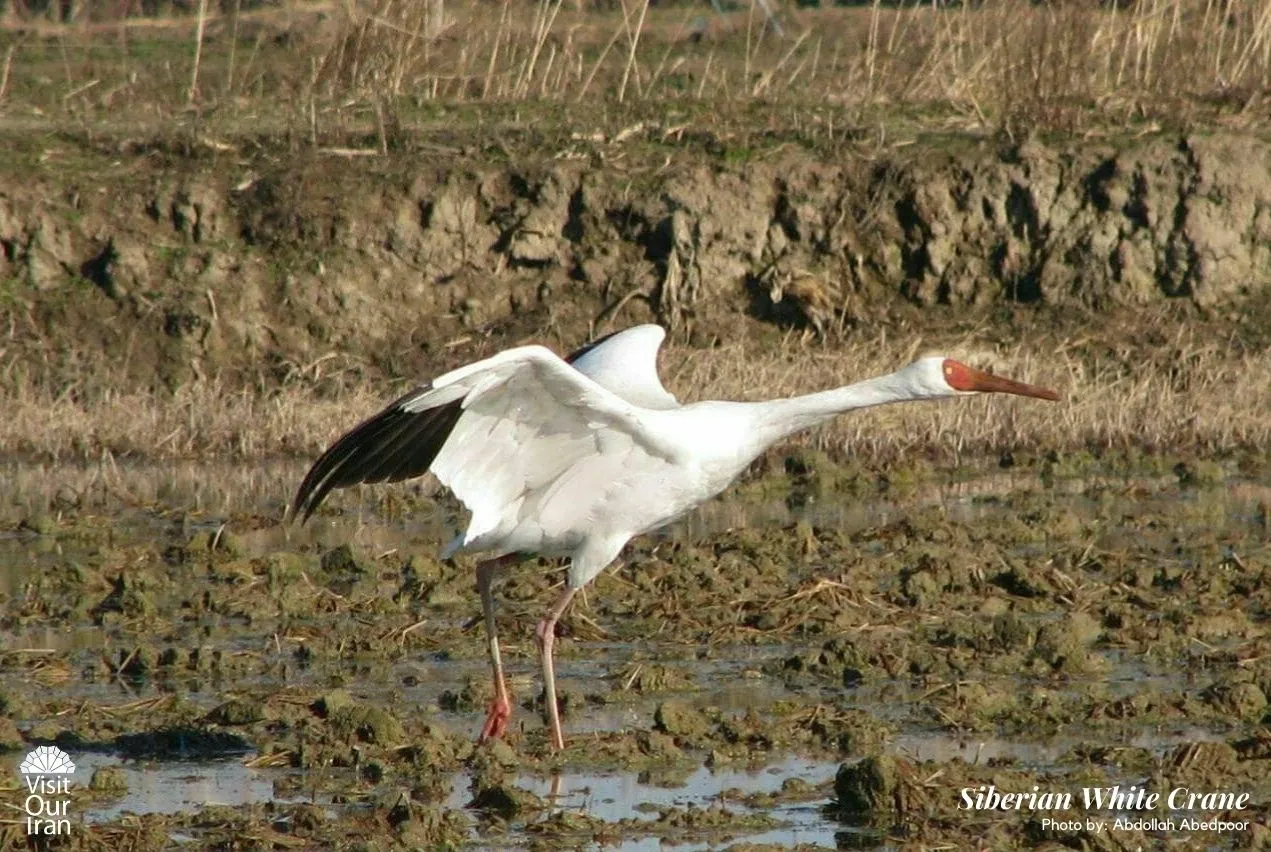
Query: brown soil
[{"x": 137, "y": 265}]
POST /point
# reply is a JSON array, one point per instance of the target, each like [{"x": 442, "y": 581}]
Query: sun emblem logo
[{"x": 47, "y": 760}]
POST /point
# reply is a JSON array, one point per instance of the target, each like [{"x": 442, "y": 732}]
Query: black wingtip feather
[
  {"x": 321, "y": 477},
  {"x": 391, "y": 446}
]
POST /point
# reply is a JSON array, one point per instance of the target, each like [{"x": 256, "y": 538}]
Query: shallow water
[
  {"x": 123, "y": 508},
  {"x": 173, "y": 786}
]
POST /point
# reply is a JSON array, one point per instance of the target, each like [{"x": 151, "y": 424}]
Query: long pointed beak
[{"x": 963, "y": 378}]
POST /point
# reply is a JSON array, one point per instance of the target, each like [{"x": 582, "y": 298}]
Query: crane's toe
[{"x": 496, "y": 720}]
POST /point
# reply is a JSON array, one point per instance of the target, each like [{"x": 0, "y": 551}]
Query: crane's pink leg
[
  {"x": 496, "y": 720},
  {"x": 546, "y": 638}
]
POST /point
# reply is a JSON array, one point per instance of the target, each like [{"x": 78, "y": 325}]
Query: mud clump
[
  {"x": 10, "y": 737},
  {"x": 426, "y": 827},
  {"x": 127, "y": 599},
  {"x": 843, "y": 732},
  {"x": 658, "y": 746},
  {"x": 343, "y": 568},
  {"x": 505, "y": 801},
  {"x": 839, "y": 658},
  {"x": 936, "y": 572},
  {"x": 646, "y": 678},
  {"x": 491, "y": 767},
  {"x": 236, "y": 712},
  {"x": 475, "y": 694},
  {"x": 180, "y": 742},
  {"x": 40, "y": 523},
  {"x": 1239, "y": 698},
  {"x": 368, "y": 724},
  {"x": 1064, "y": 645},
  {"x": 681, "y": 721},
  {"x": 108, "y": 781},
  {"x": 879, "y": 784}
]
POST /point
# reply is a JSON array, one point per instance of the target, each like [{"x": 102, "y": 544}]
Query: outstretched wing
[
  {"x": 493, "y": 432},
  {"x": 626, "y": 362}
]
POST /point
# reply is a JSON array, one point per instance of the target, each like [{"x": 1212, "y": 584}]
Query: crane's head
[{"x": 939, "y": 376}]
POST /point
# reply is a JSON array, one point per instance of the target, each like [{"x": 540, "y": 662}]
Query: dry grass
[
  {"x": 1191, "y": 396},
  {"x": 202, "y": 419},
  {"x": 352, "y": 67}
]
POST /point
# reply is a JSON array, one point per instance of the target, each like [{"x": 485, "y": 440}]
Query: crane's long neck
[{"x": 780, "y": 418}]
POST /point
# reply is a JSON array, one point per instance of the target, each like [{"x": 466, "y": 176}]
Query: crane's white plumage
[
  {"x": 584, "y": 437},
  {"x": 573, "y": 457}
]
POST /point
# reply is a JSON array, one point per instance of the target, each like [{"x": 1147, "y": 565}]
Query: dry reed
[
  {"x": 994, "y": 64},
  {"x": 1204, "y": 397}
]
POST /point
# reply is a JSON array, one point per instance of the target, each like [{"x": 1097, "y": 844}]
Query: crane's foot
[{"x": 496, "y": 721}]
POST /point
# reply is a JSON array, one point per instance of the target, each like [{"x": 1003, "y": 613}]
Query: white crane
[{"x": 574, "y": 457}]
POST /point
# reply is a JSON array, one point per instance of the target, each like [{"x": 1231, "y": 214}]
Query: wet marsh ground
[{"x": 819, "y": 658}]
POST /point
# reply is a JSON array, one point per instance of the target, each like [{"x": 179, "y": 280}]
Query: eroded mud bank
[{"x": 143, "y": 266}]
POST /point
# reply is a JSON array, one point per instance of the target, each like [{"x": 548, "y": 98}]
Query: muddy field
[{"x": 818, "y": 659}]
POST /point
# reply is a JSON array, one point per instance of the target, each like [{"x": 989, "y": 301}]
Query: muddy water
[{"x": 812, "y": 661}]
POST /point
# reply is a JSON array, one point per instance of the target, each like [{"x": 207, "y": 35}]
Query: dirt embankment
[{"x": 146, "y": 267}]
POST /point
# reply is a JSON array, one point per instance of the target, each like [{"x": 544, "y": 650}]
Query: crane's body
[{"x": 575, "y": 457}]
